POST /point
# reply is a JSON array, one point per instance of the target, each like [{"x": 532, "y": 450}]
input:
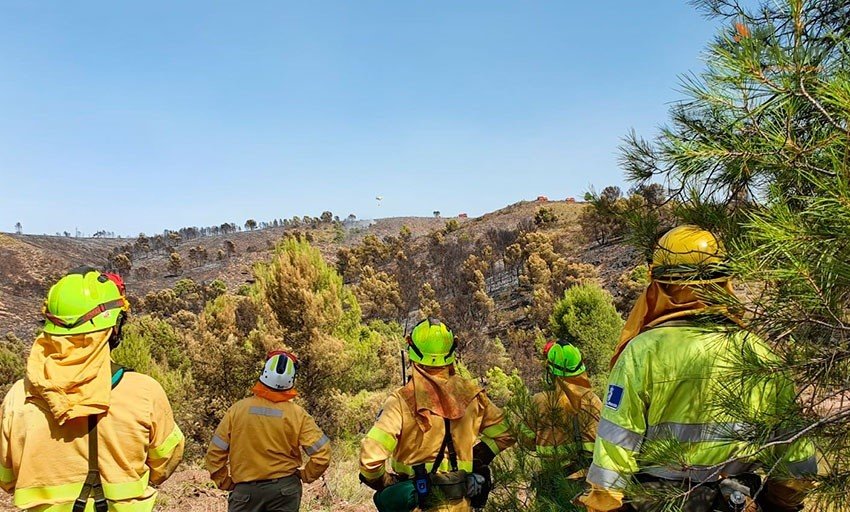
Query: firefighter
[
  {"x": 676, "y": 356},
  {"x": 432, "y": 444},
  {"x": 562, "y": 421},
  {"x": 256, "y": 450},
  {"x": 80, "y": 432}
]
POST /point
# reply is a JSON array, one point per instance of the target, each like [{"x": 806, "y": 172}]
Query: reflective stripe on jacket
[
  {"x": 259, "y": 440},
  {"x": 397, "y": 437},
  {"x": 667, "y": 385},
  {"x": 44, "y": 465}
]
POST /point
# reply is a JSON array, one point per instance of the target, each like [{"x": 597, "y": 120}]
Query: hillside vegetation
[
  {"x": 342, "y": 300},
  {"x": 30, "y": 263}
]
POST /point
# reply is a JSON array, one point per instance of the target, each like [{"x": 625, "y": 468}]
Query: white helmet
[{"x": 280, "y": 370}]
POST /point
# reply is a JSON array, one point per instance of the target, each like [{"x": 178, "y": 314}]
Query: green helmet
[
  {"x": 84, "y": 301},
  {"x": 431, "y": 343},
  {"x": 563, "y": 359}
]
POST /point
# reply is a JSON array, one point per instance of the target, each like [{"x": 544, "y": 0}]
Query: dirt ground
[{"x": 190, "y": 490}]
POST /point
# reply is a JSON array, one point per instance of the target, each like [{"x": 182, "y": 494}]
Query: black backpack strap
[
  {"x": 449, "y": 444},
  {"x": 93, "y": 487},
  {"x": 577, "y": 433},
  {"x": 422, "y": 479}
]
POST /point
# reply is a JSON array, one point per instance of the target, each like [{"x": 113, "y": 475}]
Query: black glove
[
  {"x": 377, "y": 485},
  {"x": 482, "y": 455}
]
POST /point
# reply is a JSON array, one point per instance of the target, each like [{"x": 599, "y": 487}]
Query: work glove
[
  {"x": 474, "y": 484},
  {"x": 599, "y": 499},
  {"x": 376, "y": 485},
  {"x": 784, "y": 495},
  {"x": 482, "y": 455}
]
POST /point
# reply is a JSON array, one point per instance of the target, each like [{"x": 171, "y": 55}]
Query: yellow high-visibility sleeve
[
  {"x": 494, "y": 430},
  {"x": 166, "y": 440},
  {"x": 217, "y": 455},
  {"x": 317, "y": 446},
  {"x": 7, "y": 474},
  {"x": 381, "y": 440}
]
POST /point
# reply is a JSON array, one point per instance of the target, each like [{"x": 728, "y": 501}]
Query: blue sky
[{"x": 149, "y": 115}]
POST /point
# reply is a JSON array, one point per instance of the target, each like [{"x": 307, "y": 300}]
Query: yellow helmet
[
  {"x": 689, "y": 255},
  {"x": 84, "y": 301},
  {"x": 431, "y": 343}
]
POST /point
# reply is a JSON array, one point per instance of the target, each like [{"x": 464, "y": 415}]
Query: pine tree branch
[
  {"x": 817, "y": 105},
  {"x": 828, "y": 420}
]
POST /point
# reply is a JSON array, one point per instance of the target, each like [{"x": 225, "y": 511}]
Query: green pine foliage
[
  {"x": 524, "y": 480},
  {"x": 758, "y": 151},
  {"x": 320, "y": 319},
  {"x": 152, "y": 346},
  {"x": 207, "y": 361},
  {"x": 12, "y": 361}
]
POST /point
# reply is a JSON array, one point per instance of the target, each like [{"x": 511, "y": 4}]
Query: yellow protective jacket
[
  {"x": 45, "y": 464},
  {"x": 397, "y": 442},
  {"x": 556, "y": 428},
  {"x": 667, "y": 386},
  {"x": 259, "y": 440}
]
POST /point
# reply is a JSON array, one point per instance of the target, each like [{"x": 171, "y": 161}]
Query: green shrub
[
  {"x": 165, "y": 345},
  {"x": 152, "y": 346},
  {"x": 586, "y": 316},
  {"x": 320, "y": 320},
  {"x": 452, "y": 225},
  {"x": 186, "y": 289},
  {"x": 630, "y": 285},
  {"x": 501, "y": 385},
  {"x": 12, "y": 361},
  {"x": 215, "y": 289},
  {"x": 348, "y": 415},
  {"x": 544, "y": 217}
]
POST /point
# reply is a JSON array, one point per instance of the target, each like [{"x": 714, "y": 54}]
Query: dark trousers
[{"x": 277, "y": 495}]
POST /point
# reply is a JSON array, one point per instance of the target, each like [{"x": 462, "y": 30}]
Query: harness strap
[
  {"x": 93, "y": 486},
  {"x": 449, "y": 444}
]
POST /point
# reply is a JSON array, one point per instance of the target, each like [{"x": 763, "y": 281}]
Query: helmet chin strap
[{"x": 117, "y": 332}]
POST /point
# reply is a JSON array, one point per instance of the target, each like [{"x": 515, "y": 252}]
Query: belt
[{"x": 269, "y": 480}]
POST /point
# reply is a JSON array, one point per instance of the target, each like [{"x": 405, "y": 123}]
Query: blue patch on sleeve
[{"x": 615, "y": 396}]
